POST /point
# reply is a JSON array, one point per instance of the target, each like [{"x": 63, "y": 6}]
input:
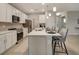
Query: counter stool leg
[
  {"x": 61, "y": 45},
  {"x": 54, "y": 48},
  {"x": 65, "y": 48}
]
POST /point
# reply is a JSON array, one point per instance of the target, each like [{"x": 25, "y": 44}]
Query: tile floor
[{"x": 72, "y": 44}]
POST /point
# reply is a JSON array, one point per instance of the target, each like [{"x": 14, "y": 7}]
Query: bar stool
[{"x": 60, "y": 40}]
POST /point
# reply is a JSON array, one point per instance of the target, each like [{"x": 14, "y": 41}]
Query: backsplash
[{"x": 6, "y": 26}]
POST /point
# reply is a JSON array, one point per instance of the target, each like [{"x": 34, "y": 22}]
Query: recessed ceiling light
[
  {"x": 57, "y": 14},
  {"x": 49, "y": 14},
  {"x": 54, "y": 9}
]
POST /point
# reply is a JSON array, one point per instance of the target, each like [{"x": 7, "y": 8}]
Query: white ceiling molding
[{"x": 61, "y": 7}]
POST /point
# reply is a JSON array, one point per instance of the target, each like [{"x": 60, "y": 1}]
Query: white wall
[
  {"x": 50, "y": 22},
  {"x": 58, "y": 21},
  {"x": 35, "y": 20},
  {"x": 42, "y": 18},
  {"x": 72, "y": 22}
]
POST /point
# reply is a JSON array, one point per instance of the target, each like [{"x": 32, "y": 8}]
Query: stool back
[{"x": 64, "y": 32}]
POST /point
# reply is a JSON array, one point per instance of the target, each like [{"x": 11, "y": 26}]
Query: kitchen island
[{"x": 40, "y": 42}]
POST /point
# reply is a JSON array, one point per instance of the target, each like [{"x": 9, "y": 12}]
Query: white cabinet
[
  {"x": 8, "y": 40},
  {"x": 22, "y": 19},
  {"x": 13, "y": 11},
  {"x": 26, "y": 17},
  {"x": 40, "y": 45},
  {"x": 37, "y": 45},
  {"x": 2, "y": 12},
  {"x": 2, "y": 44},
  {"x": 13, "y": 37},
  {"x": 17, "y": 12},
  {"x": 9, "y": 13},
  {"x": 25, "y": 32},
  {"x": 6, "y": 12}
]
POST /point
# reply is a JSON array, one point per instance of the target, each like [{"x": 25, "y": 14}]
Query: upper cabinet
[
  {"x": 6, "y": 12},
  {"x": 13, "y": 11},
  {"x": 26, "y": 17},
  {"x": 18, "y": 13},
  {"x": 23, "y": 18},
  {"x": 2, "y": 12},
  {"x": 9, "y": 13}
]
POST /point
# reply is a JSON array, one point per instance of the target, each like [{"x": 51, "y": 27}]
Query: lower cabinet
[
  {"x": 7, "y": 40},
  {"x": 40, "y": 45},
  {"x": 2, "y": 44},
  {"x": 13, "y": 37},
  {"x": 25, "y": 32},
  {"x": 37, "y": 45}
]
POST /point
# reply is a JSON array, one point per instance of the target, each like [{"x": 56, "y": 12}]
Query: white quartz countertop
[
  {"x": 42, "y": 33},
  {"x": 4, "y": 32}
]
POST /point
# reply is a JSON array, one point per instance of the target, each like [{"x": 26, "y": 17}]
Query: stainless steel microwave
[{"x": 15, "y": 19}]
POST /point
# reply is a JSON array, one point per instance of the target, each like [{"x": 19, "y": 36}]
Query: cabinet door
[
  {"x": 13, "y": 11},
  {"x": 8, "y": 40},
  {"x": 18, "y": 13},
  {"x": 22, "y": 19},
  {"x": 26, "y": 16},
  {"x": 14, "y": 37},
  {"x": 2, "y": 12},
  {"x": 25, "y": 32},
  {"x": 37, "y": 45},
  {"x": 9, "y": 13},
  {"x": 2, "y": 44}
]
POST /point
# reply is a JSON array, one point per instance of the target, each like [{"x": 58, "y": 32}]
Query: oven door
[{"x": 19, "y": 36}]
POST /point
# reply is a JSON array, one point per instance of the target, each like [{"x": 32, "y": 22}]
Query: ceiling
[{"x": 29, "y": 8}]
